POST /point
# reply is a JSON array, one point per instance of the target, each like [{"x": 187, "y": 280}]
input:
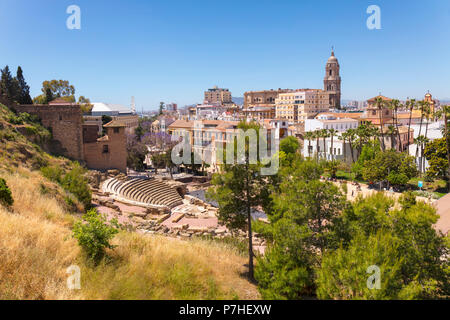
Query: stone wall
[{"x": 64, "y": 122}]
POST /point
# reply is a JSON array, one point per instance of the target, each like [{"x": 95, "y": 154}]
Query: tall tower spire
[{"x": 332, "y": 81}]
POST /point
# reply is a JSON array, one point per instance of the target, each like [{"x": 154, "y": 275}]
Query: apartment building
[
  {"x": 207, "y": 137},
  {"x": 300, "y": 105},
  {"x": 218, "y": 95}
]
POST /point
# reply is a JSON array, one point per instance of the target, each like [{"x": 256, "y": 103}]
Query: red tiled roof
[{"x": 382, "y": 97}]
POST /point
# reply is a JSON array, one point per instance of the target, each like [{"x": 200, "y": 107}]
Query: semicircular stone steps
[{"x": 143, "y": 190}]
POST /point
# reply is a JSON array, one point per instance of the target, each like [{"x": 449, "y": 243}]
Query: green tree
[
  {"x": 9, "y": 87},
  {"x": 410, "y": 105},
  {"x": 345, "y": 273},
  {"x": 350, "y": 136},
  {"x": 301, "y": 227},
  {"x": 391, "y": 131},
  {"x": 436, "y": 154},
  {"x": 309, "y": 136},
  {"x": 392, "y": 164},
  {"x": 395, "y": 105},
  {"x": 85, "y": 104},
  {"x": 324, "y": 135},
  {"x": 136, "y": 153},
  {"x": 289, "y": 146},
  {"x": 403, "y": 244},
  {"x": 139, "y": 132},
  {"x": 6, "y": 198},
  {"x": 422, "y": 105},
  {"x": 94, "y": 234},
  {"x": 368, "y": 152},
  {"x": 239, "y": 189},
  {"x": 421, "y": 141},
  {"x": 76, "y": 183},
  {"x": 381, "y": 104},
  {"x": 58, "y": 88},
  {"x": 332, "y": 133},
  {"x": 24, "y": 89}
]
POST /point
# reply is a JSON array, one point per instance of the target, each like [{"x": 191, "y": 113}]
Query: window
[
  {"x": 105, "y": 148},
  {"x": 116, "y": 130}
]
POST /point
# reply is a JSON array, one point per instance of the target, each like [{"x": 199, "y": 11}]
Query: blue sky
[{"x": 174, "y": 50}]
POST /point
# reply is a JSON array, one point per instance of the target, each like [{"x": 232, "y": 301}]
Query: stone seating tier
[{"x": 148, "y": 191}]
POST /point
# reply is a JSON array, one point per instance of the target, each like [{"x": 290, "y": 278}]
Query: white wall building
[{"x": 326, "y": 121}]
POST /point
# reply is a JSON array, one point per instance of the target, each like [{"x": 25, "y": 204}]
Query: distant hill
[{"x": 238, "y": 100}]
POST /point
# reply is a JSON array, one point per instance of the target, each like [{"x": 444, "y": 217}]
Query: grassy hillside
[{"x": 36, "y": 244}]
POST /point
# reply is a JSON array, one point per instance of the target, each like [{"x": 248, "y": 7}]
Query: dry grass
[{"x": 36, "y": 248}]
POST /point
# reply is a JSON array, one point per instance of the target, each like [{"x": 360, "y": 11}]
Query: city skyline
[{"x": 173, "y": 52}]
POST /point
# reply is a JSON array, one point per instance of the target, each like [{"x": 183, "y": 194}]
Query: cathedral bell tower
[{"x": 332, "y": 81}]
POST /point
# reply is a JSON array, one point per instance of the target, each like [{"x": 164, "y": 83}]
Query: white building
[
  {"x": 339, "y": 151},
  {"x": 434, "y": 132},
  {"x": 330, "y": 121},
  {"x": 109, "y": 109}
]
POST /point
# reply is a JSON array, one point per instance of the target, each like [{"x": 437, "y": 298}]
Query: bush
[
  {"x": 52, "y": 173},
  {"x": 73, "y": 182},
  {"x": 94, "y": 234},
  {"x": 76, "y": 183},
  {"x": 5, "y": 194}
]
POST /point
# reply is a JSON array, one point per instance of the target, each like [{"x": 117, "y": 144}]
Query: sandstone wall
[
  {"x": 116, "y": 157},
  {"x": 65, "y": 123}
]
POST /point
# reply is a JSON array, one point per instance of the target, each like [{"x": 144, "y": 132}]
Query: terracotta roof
[
  {"x": 114, "y": 124},
  {"x": 103, "y": 139},
  {"x": 382, "y": 97},
  {"x": 181, "y": 124}
]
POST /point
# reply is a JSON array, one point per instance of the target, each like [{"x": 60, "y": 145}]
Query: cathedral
[{"x": 332, "y": 81}]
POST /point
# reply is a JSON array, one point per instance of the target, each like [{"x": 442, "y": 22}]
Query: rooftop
[{"x": 115, "y": 124}]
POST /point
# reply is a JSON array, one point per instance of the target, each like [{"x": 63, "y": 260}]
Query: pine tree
[
  {"x": 24, "y": 89},
  {"x": 8, "y": 85}
]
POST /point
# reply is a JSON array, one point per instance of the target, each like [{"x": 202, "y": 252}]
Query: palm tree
[
  {"x": 422, "y": 106},
  {"x": 324, "y": 135},
  {"x": 343, "y": 137},
  {"x": 351, "y": 136},
  {"x": 428, "y": 117},
  {"x": 410, "y": 105},
  {"x": 332, "y": 133},
  {"x": 391, "y": 131},
  {"x": 421, "y": 141},
  {"x": 394, "y": 106},
  {"x": 380, "y": 105},
  {"x": 309, "y": 136},
  {"x": 317, "y": 136}
]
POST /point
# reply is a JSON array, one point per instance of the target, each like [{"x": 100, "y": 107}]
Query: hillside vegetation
[{"x": 37, "y": 247}]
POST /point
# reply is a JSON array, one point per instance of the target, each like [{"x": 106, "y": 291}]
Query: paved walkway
[{"x": 443, "y": 209}]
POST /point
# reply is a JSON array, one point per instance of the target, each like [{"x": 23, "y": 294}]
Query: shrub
[
  {"x": 73, "y": 182},
  {"x": 5, "y": 194},
  {"x": 94, "y": 234},
  {"x": 76, "y": 183},
  {"x": 52, "y": 173},
  {"x": 15, "y": 120}
]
